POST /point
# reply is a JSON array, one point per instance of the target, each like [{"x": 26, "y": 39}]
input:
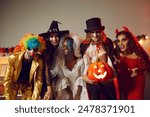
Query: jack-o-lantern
[{"x": 99, "y": 72}]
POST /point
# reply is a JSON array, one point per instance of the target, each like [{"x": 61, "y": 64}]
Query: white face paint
[
  {"x": 31, "y": 53},
  {"x": 95, "y": 36}
]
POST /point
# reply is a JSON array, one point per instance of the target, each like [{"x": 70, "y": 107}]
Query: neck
[
  {"x": 71, "y": 58},
  {"x": 127, "y": 52}
]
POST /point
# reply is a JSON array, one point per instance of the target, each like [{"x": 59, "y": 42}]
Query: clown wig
[{"x": 31, "y": 41}]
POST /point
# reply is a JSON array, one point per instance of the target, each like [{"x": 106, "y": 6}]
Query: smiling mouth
[
  {"x": 122, "y": 47},
  {"x": 101, "y": 76}
]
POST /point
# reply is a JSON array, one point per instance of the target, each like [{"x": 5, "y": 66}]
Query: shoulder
[
  {"x": 38, "y": 58},
  {"x": 109, "y": 41},
  {"x": 80, "y": 61},
  {"x": 15, "y": 55},
  {"x": 84, "y": 45}
]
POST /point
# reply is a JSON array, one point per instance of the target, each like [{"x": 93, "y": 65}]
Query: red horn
[
  {"x": 125, "y": 28},
  {"x": 116, "y": 31}
]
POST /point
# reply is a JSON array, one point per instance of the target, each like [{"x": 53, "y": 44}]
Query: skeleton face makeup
[{"x": 95, "y": 36}]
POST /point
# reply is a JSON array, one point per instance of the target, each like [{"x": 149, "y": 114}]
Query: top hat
[
  {"x": 94, "y": 24},
  {"x": 54, "y": 29}
]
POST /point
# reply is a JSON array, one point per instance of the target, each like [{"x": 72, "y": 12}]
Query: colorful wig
[{"x": 31, "y": 41}]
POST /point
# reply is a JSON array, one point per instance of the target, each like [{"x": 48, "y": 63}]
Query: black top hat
[
  {"x": 54, "y": 29},
  {"x": 94, "y": 24}
]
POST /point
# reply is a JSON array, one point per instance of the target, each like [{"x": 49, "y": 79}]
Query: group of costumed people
[{"x": 60, "y": 65}]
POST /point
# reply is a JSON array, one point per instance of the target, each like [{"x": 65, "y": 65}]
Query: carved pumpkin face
[{"x": 99, "y": 72}]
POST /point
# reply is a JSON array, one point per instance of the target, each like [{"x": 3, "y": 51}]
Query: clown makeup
[
  {"x": 30, "y": 53},
  {"x": 68, "y": 46},
  {"x": 54, "y": 39},
  {"x": 122, "y": 42}
]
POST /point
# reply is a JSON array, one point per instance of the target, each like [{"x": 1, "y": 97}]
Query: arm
[
  {"x": 80, "y": 83},
  {"x": 38, "y": 81},
  {"x": 87, "y": 62},
  {"x": 48, "y": 94},
  {"x": 8, "y": 80},
  {"x": 78, "y": 94}
]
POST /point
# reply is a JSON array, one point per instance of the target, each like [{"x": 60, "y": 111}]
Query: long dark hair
[
  {"x": 49, "y": 53},
  {"x": 135, "y": 46},
  {"x": 131, "y": 44}
]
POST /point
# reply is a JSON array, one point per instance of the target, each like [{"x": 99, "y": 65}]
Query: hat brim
[
  {"x": 91, "y": 30},
  {"x": 60, "y": 33}
]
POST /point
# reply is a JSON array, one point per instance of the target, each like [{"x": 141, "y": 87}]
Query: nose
[
  {"x": 119, "y": 42},
  {"x": 32, "y": 52},
  {"x": 54, "y": 38},
  {"x": 94, "y": 34}
]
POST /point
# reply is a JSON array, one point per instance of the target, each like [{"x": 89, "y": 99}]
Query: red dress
[{"x": 132, "y": 87}]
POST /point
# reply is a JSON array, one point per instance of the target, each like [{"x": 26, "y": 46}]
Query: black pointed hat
[{"x": 54, "y": 29}]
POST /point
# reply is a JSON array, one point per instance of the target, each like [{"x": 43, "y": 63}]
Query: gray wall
[{"x": 18, "y": 17}]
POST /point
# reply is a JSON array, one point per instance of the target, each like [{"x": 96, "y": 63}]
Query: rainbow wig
[{"x": 31, "y": 41}]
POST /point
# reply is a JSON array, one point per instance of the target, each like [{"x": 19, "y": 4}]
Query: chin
[{"x": 54, "y": 44}]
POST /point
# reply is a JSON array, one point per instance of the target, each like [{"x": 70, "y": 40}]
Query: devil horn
[
  {"x": 116, "y": 31},
  {"x": 125, "y": 28}
]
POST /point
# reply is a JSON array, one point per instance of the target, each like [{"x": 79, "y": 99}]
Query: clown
[{"x": 24, "y": 70}]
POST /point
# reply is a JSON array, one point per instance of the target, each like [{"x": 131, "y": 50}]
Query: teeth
[{"x": 122, "y": 47}]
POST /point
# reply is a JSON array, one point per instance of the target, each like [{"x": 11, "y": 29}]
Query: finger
[
  {"x": 115, "y": 58},
  {"x": 45, "y": 97}
]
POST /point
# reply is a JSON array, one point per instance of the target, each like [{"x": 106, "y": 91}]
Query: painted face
[
  {"x": 31, "y": 53},
  {"x": 68, "y": 46},
  {"x": 95, "y": 36},
  {"x": 122, "y": 42},
  {"x": 54, "y": 39}
]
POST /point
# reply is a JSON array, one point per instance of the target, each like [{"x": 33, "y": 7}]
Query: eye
[
  {"x": 51, "y": 36},
  {"x": 102, "y": 65},
  {"x": 124, "y": 39},
  {"x": 35, "y": 49},
  {"x": 95, "y": 66},
  {"x": 29, "y": 49}
]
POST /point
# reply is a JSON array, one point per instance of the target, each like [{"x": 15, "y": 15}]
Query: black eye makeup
[
  {"x": 35, "y": 49},
  {"x": 124, "y": 39}
]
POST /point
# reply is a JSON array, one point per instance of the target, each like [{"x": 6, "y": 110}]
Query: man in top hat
[
  {"x": 97, "y": 47},
  {"x": 52, "y": 38}
]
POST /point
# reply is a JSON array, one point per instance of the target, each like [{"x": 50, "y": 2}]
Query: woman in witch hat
[{"x": 52, "y": 38}]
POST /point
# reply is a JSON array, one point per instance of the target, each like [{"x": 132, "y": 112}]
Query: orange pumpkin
[{"x": 99, "y": 72}]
